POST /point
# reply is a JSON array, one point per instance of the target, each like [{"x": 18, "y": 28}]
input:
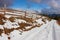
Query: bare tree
[{"x": 5, "y": 3}]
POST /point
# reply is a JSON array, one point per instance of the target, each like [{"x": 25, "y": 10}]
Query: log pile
[{"x": 22, "y": 26}]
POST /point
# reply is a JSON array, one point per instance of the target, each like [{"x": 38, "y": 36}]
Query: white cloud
[{"x": 52, "y": 3}]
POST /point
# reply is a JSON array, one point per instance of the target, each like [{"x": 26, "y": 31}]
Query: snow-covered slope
[{"x": 22, "y": 28}]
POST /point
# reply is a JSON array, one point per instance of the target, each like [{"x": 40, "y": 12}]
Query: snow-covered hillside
[{"x": 20, "y": 27}]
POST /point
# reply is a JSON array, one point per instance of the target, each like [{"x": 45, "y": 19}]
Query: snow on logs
[
  {"x": 16, "y": 23},
  {"x": 2, "y": 17}
]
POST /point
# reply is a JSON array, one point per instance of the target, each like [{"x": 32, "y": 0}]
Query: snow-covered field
[{"x": 11, "y": 30}]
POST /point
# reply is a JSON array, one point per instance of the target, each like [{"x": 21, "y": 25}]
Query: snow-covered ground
[{"x": 19, "y": 34}]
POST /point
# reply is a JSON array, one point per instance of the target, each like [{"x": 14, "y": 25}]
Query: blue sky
[
  {"x": 35, "y": 4},
  {"x": 31, "y": 4},
  {"x": 23, "y": 4}
]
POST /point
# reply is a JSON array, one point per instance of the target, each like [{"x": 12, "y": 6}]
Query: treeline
[
  {"x": 52, "y": 16},
  {"x": 53, "y": 13}
]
